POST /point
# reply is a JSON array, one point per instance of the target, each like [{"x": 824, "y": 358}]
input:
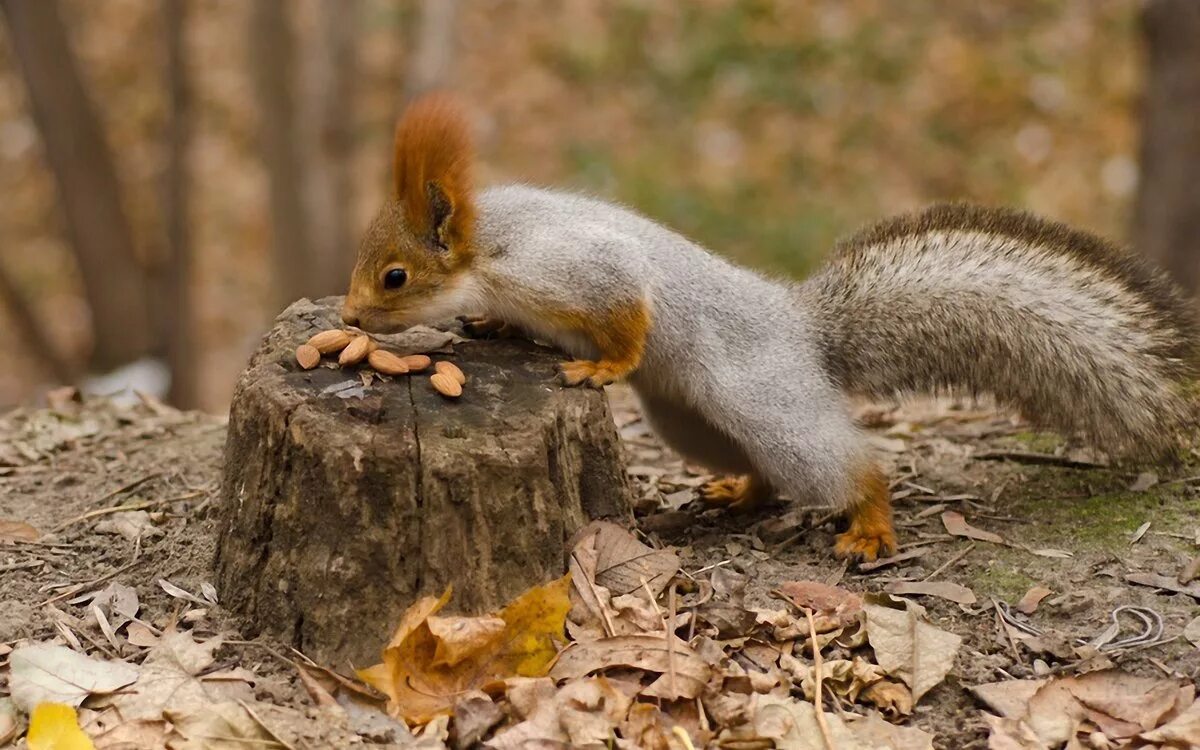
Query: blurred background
[{"x": 173, "y": 172}]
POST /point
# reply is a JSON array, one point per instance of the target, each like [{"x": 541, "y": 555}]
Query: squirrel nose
[{"x": 350, "y": 317}]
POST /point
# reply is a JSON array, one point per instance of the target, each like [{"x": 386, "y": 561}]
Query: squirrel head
[{"x": 414, "y": 261}]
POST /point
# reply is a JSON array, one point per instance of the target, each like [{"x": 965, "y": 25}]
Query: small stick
[
  {"x": 130, "y": 486},
  {"x": 682, "y": 735},
  {"x": 818, "y": 699},
  {"x": 608, "y": 626},
  {"x": 670, "y": 625},
  {"x": 81, "y": 586},
  {"x": 941, "y": 568}
]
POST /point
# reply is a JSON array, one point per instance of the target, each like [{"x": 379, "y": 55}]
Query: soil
[{"x": 56, "y": 465}]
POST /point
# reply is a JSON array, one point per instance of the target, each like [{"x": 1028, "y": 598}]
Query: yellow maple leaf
[
  {"x": 53, "y": 726},
  {"x": 432, "y": 660}
]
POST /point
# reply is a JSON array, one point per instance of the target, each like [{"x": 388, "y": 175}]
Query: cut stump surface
[{"x": 342, "y": 504}]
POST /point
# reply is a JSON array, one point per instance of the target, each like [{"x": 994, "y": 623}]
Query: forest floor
[{"x": 95, "y": 494}]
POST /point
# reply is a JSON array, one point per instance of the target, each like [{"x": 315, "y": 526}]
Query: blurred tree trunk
[
  {"x": 432, "y": 60},
  {"x": 329, "y": 82},
  {"x": 273, "y": 61},
  {"x": 29, "y": 329},
  {"x": 114, "y": 282},
  {"x": 179, "y": 332},
  {"x": 1168, "y": 206}
]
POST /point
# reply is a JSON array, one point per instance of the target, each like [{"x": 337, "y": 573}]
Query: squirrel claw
[{"x": 581, "y": 371}]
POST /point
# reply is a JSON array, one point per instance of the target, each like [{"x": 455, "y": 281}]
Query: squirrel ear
[
  {"x": 432, "y": 172},
  {"x": 441, "y": 211}
]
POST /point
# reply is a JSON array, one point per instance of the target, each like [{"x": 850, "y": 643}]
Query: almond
[
  {"x": 384, "y": 361},
  {"x": 451, "y": 369},
  {"x": 356, "y": 351},
  {"x": 308, "y": 356},
  {"x": 445, "y": 385},
  {"x": 328, "y": 342},
  {"x": 416, "y": 362}
]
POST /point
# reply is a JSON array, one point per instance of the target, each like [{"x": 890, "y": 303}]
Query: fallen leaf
[
  {"x": 130, "y": 524},
  {"x": 874, "y": 732},
  {"x": 18, "y": 530},
  {"x": 49, "y": 673},
  {"x": 1182, "y": 731},
  {"x": 8, "y": 721},
  {"x": 941, "y": 589},
  {"x": 419, "y": 682},
  {"x": 647, "y": 652},
  {"x": 916, "y": 652},
  {"x": 883, "y": 562},
  {"x": 956, "y": 525},
  {"x": 180, "y": 593},
  {"x": 1192, "y": 632},
  {"x": 1164, "y": 582},
  {"x": 1050, "y": 552},
  {"x": 195, "y": 727},
  {"x": 54, "y": 726},
  {"x": 582, "y": 713},
  {"x": 475, "y": 715},
  {"x": 625, "y": 565},
  {"x": 837, "y": 605},
  {"x": 171, "y": 679},
  {"x": 1033, "y": 597},
  {"x": 1009, "y": 698},
  {"x": 1141, "y": 532},
  {"x": 140, "y": 635}
]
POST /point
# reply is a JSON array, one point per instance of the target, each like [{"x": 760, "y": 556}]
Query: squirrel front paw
[
  {"x": 581, "y": 371},
  {"x": 482, "y": 327},
  {"x": 864, "y": 544},
  {"x": 737, "y": 493}
]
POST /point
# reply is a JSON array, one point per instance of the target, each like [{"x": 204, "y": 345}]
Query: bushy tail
[{"x": 1075, "y": 333}]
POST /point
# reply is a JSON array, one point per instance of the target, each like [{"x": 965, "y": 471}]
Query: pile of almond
[{"x": 353, "y": 348}]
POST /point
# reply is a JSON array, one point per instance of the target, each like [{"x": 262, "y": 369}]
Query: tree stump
[{"x": 343, "y": 504}]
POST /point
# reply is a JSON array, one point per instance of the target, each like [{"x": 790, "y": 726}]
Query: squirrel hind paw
[
  {"x": 581, "y": 371},
  {"x": 865, "y": 544}
]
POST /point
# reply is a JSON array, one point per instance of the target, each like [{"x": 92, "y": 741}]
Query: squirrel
[{"x": 750, "y": 376}]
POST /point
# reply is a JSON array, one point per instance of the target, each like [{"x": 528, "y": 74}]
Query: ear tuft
[{"x": 432, "y": 171}]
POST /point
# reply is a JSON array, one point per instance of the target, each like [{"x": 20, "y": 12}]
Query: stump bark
[{"x": 343, "y": 504}]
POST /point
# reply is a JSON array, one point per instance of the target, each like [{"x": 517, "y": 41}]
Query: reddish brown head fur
[{"x": 432, "y": 170}]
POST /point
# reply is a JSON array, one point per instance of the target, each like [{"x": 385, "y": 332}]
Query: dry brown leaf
[
  {"x": 419, "y": 681},
  {"x": 1192, "y": 632},
  {"x": 171, "y": 679},
  {"x": 647, "y": 652},
  {"x": 1164, "y": 582},
  {"x": 1033, "y": 597},
  {"x": 581, "y": 713},
  {"x": 48, "y": 673},
  {"x": 625, "y": 565},
  {"x": 1182, "y": 731},
  {"x": 475, "y": 715},
  {"x": 17, "y": 530},
  {"x": 831, "y": 605},
  {"x": 459, "y": 638},
  {"x": 1119, "y": 704},
  {"x": 956, "y": 525},
  {"x": 908, "y": 648},
  {"x": 941, "y": 589}
]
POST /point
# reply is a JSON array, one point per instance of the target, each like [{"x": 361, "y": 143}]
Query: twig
[
  {"x": 1007, "y": 633},
  {"x": 1030, "y": 457},
  {"x": 121, "y": 508},
  {"x": 682, "y": 735},
  {"x": 80, "y": 587},
  {"x": 670, "y": 624},
  {"x": 608, "y": 626},
  {"x": 818, "y": 675},
  {"x": 130, "y": 486},
  {"x": 941, "y": 568}
]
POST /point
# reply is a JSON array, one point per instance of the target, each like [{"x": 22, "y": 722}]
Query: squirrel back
[{"x": 1073, "y": 331}]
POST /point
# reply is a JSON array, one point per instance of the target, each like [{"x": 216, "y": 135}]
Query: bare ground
[{"x": 63, "y": 470}]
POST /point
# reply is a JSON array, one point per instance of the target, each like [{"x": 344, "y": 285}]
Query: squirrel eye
[{"x": 394, "y": 279}]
